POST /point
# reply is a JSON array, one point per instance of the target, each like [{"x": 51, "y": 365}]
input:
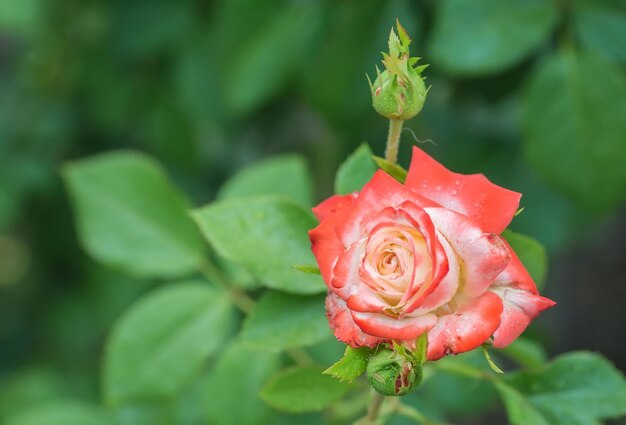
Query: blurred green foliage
[{"x": 533, "y": 94}]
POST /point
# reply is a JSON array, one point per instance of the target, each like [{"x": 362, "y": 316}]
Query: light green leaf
[
  {"x": 531, "y": 253},
  {"x": 526, "y": 352},
  {"x": 287, "y": 176},
  {"x": 130, "y": 216},
  {"x": 267, "y": 235},
  {"x": 303, "y": 389},
  {"x": 601, "y": 26},
  {"x": 352, "y": 365},
  {"x": 21, "y": 17},
  {"x": 163, "y": 340},
  {"x": 577, "y": 385},
  {"x": 280, "y": 321},
  {"x": 231, "y": 395},
  {"x": 394, "y": 170},
  {"x": 575, "y": 119},
  {"x": 518, "y": 409},
  {"x": 62, "y": 413},
  {"x": 355, "y": 171},
  {"x": 488, "y": 36}
]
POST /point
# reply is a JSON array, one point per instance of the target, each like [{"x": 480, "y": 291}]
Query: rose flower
[{"x": 424, "y": 256}]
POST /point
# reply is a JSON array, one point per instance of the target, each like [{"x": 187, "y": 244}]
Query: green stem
[
  {"x": 374, "y": 408},
  {"x": 239, "y": 297},
  {"x": 412, "y": 413},
  {"x": 393, "y": 140}
]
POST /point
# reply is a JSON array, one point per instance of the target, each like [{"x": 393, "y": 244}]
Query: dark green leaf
[
  {"x": 231, "y": 395},
  {"x": 163, "y": 340},
  {"x": 394, "y": 170},
  {"x": 352, "y": 365},
  {"x": 531, "y": 253},
  {"x": 303, "y": 389},
  {"x": 487, "y": 36},
  {"x": 267, "y": 235},
  {"x": 62, "y": 413},
  {"x": 355, "y": 171},
  {"x": 526, "y": 352},
  {"x": 601, "y": 26},
  {"x": 280, "y": 321},
  {"x": 130, "y": 216},
  {"x": 575, "y": 119},
  {"x": 518, "y": 409},
  {"x": 287, "y": 176}
]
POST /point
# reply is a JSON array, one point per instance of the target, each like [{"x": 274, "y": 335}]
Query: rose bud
[
  {"x": 424, "y": 257},
  {"x": 399, "y": 92},
  {"x": 393, "y": 373}
]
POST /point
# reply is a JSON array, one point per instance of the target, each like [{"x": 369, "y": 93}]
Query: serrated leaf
[
  {"x": 394, "y": 170},
  {"x": 280, "y": 321},
  {"x": 235, "y": 381},
  {"x": 303, "y": 389},
  {"x": 531, "y": 253},
  {"x": 576, "y": 385},
  {"x": 130, "y": 216},
  {"x": 352, "y": 365},
  {"x": 355, "y": 171},
  {"x": 463, "y": 42},
  {"x": 163, "y": 340},
  {"x": 267, "y": 235},
  {"x": 601, "y": 26},
  {"x": 287, "y": 176},
  {"x": 586, "y": 96},
  {"x": 62, "y": 412}
]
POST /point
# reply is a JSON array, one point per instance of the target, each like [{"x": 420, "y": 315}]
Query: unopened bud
[{"x": 393, "y": 373}]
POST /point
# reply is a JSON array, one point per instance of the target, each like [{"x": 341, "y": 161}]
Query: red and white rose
[{"x": 424, "y": 256}]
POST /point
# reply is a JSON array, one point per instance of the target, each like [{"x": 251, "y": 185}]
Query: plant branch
[{"x": 393, "y": 140}]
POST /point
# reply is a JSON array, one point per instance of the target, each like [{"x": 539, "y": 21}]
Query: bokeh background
[{"x": 533, "y": 94}]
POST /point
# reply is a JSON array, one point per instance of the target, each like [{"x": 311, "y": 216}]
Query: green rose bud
[
  {"x": 393, "y": 373},
  {"x": 399, "y": 92}
]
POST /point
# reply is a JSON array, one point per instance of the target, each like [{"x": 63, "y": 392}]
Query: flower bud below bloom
[
  {"x": 392, "y": 373},
  {"x": 399, "y": 91}
]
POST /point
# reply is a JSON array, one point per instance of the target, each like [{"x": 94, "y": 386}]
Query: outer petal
[
  {"x": 333, "y": 204},
  {"x": 492, "y": 206},
  {"x": 344, "y": 327},
  {"x": 483, "y": 255},
  {"x": 346, "y": 280},
  {"x": 520, "y": 308},
  {"x": 389, "y": 328},
  {"x": 466, "y": 328},
  {"x": 326, "y": 247}
]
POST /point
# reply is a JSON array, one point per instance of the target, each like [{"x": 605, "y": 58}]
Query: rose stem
[
  {"x": 393, "y": 140},
  {"x": 374, "y": 408}
]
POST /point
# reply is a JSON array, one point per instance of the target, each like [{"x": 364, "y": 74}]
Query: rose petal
[
  {"x": 346, "y": 278},
  {"x": 483, "y": 255},
  {"x": 516, "y": 274},
  {"x": 344, "y": 327},
  {"x": 388, "y": 327},
  {"x": 493, "y": 207},
  {"x": 520, "y": 308},
  {"x": 466, "y": 328},
  {"x": 333, "y": 204},
  {"x": 326, "y": 247}
]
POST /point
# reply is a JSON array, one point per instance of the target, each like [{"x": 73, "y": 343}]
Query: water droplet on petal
[
  {"x": 457, "y": 182},
  {"x": 438, "y": 188},
  {"x": 454, "y": 192}
]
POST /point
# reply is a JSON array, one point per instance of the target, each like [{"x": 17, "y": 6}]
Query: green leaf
[
  {"x": 526, "y": 352},
  {"x": 531, "y": 253},
  {"x": 267, "y": 235},
  {"x": 21, "y": 17},
  {"x": 394, "y": 170},
  {"x": 303, "y": 389},
  {"x": 286, "y": 175},
  {"x": 577, "y": 385},
  {"x": 352, "y": 365},
  {"x": 62, "y": 413},
  {"x": 601, "y": 26},
  {"x": 518, "y": 409},
  {"x": 231, "y": 395},
  {"x": 575, "y": 119},
  {"x": 463, "y": 40},
  {"x": 355, "y": 171},
  {"x": 163, "y": 340},
  {"x": 308, "y": 269},
  {"x": 130, "y": 216},
  {"x": 280, "y": 321}
]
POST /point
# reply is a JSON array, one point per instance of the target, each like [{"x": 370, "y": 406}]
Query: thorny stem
[{"x": 393, "y": 140}]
